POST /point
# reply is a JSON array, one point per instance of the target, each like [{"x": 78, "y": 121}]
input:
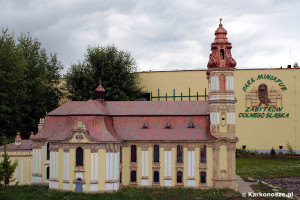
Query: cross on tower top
[{"x": 221, "y": 20}]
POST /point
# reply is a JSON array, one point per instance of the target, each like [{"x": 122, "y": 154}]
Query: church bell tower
[{"x": 221, "y": 97}]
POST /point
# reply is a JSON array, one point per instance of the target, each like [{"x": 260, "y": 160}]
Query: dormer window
[
  {"x": 191, "y": 125},
  {"x": 145, "y": 125},
  {"x": 168, "y": 125},
  {"x": 222, "y": 53}
]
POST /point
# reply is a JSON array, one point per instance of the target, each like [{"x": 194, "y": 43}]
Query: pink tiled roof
[
  {"x": 123, "y": 120},
  {"x": 60, "y": 128},
  {"x": 94, "y": 107},
  {"x": 130, "y": 128},
  {"x": 157, "y": 107},
  {"x": 25, "y": 145}
]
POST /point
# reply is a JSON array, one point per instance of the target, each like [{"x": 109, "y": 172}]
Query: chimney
[
  {"x": 100, "y": 93},
  {"x": 18, "y": 139},
  {"x": 41, "y": 124},
  {"x": 31, "y": 135}
]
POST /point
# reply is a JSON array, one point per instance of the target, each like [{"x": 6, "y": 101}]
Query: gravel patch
[{"x": 291, "y": 184}]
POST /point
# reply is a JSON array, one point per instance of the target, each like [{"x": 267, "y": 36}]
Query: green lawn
[
  {"x": 42, "y": 192},
  {"x": 267, "y": 167},
  {"x": 246, "y": 167}
]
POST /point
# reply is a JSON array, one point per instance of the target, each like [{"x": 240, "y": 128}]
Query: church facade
[{"x": 98, "y": 145}]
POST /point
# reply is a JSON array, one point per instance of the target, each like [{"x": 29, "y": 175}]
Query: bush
[
  {"x": 290, "y": 149},
  {"x": 273, "y": 152}
]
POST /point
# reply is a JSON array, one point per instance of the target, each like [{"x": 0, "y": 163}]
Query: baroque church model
[{"x": 98, "y": 145}]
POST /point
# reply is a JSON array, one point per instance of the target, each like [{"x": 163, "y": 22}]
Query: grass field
[
  {"x": 267, "y": 167},
  {"x": 246, "y": 167},
  {"x": 42, "y": 192}
]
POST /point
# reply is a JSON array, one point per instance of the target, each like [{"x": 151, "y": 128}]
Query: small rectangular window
[
  {"x": 47, "y": 173},
  {"x": 203, "y": 177},
  {"x": 179, "y": 177},
  {"x": 156, "y": 177},
  {"x": 133, "y": 176}
]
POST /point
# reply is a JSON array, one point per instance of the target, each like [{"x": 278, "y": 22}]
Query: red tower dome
[{"x": 221, "y": 50}]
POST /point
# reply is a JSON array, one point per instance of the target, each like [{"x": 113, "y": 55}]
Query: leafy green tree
[
  {"x": 12, "y": 67},
  {"x": 28, "y": 83},
  {"x": 296, "y": 65},
  {"x": 115, "y": 69},
  {"x": 41, "y": 75},
  {"x": 7, "y": 168}
]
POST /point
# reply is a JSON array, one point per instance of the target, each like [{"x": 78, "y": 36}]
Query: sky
[{"x": 161, "y": 34}]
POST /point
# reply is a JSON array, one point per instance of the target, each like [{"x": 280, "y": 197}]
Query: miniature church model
[{"x": 99, "y": 146}]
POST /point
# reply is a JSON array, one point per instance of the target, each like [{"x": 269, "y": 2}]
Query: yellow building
[
  {"x": 98, "y": 145},
  {"x": 259, "y": 127},
  {"x": 21, "y": 152}
]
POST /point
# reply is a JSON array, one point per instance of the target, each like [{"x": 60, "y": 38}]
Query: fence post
[
  {"x": 205, "y": 93},
  {"x": 158, "y": 94},
  {"x": 151, "y": 96},
  {"x": 166, "y": 97},
  {"x": 189, "y": 94},
  {"x": 197, "y": 96},
  {"x": 174, "y": 94},
  {"x": 181, "y": 96}
]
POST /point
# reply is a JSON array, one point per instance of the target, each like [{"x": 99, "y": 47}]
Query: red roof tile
[
  {"x": 157, "y": 107},
  {"x": 130, "y": 128},
  {"x": 123, "y": 120},
  {"x": 25, "y": 145},
  {"x": 94, "y": 107},
  {"x": 61, "y": 127}
]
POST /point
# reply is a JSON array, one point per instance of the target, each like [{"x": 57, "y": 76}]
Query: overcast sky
[{"x": 161, "y": 35}]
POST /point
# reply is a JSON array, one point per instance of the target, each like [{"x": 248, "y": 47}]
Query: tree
[
  {"x": 114, "y": 68},
  {"x": 28, "y": 83},
  {"x": 7, "y": 168},
  {"x": 296, "y": 65},
  {"x": 11, "y": 79}
]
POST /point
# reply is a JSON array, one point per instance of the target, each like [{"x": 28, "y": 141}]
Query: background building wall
[
  {"x": 256, "y": 133},
  {"x": 22, "y": 174}
]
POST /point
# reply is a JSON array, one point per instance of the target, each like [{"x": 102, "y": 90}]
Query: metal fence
[{"x": 181, "y": 96}]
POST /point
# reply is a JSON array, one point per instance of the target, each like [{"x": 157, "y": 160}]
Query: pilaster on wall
[
  {"x": 36, "y": 166},
  {"x": 145, "y": 167},
  {"x": 112, "y": 170}
]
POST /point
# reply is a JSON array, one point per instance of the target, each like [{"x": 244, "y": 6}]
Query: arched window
[
  {"x": 222, "y": 53},
  {"x": 47, "y": 173},
  {"x": 79, "y": 156},
  {"x": 156, "y": 153},
  {"x": 222, "y": 82},
  {"x": 179, "y": 177},
  {"x": 203, "y": 177},
  {"x": 48, "y": 151},
  {"x": 133, "y": 176},
  {"x": 133, "y": 153},
  {"x": 156, "y": 177},
  {"x": 120, "y": 154},
  {"x": 203, "y": 154},
  {"x": 179, "y": 154}
]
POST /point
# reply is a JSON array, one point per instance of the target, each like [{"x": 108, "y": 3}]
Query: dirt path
[{"x": 292, "y": 184}]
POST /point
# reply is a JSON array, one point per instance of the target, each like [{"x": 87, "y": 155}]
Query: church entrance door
[{"x": 78, "y": 185}]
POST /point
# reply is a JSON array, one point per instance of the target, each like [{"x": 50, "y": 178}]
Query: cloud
[{"x": 161, "y": 35}]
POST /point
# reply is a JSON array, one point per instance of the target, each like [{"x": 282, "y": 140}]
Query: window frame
[
  {"x": 156, "y": 156},
  {"x": 77, "y": 161}
]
